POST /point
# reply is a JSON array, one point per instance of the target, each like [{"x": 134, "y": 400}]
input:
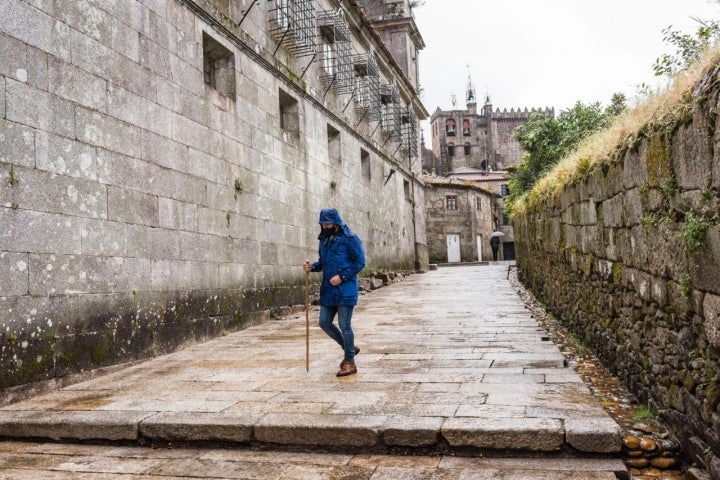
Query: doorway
[{"x": 453, "y": 248}]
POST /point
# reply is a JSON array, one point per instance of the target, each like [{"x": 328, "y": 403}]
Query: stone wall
[
  {"x": 163, "y": 163},
  {"x": 628, "y": 257}
]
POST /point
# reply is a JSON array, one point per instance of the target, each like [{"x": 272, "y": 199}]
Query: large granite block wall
[{"x": 143, "y": 207}]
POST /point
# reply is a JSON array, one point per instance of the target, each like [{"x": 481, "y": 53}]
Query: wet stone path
[{"x": 454, "y": 369}]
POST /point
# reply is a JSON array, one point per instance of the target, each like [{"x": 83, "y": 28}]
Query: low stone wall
[{"x": 628, "y": 257}]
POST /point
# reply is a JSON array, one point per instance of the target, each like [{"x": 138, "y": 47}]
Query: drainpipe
[{"x": 414, "y": 222}]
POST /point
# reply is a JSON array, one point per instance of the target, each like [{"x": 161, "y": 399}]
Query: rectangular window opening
[
  {"x": 289, "y": 112},
  {"x": 218, "y": 66},
  {"x": 365, "y": 164},
  {"x": 334, "y": 145},
  {"x": 451, "y": 202}
]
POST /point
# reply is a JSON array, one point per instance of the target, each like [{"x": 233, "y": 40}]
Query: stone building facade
[
  {"x": 460, "y": 217},
  {"x": 164, "y": 163}
]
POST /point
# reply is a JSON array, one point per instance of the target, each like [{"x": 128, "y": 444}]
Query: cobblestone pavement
[{"x": 452, "y": 363}]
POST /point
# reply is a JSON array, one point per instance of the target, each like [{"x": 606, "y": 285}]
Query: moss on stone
[
  {"x": 101, "y": 351},
  {"x": 659, "y": 160},
  {"x": 712, "y": 395},
  {"x": 617, "y": 270}
]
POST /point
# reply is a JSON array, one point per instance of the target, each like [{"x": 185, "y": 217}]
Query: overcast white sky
[{"x": 545, "y": 53}]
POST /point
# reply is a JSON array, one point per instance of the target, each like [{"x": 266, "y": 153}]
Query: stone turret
[{"x": 470, "y": 98}]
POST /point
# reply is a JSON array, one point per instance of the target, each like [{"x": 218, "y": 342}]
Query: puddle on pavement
[
  {"x": 217, "y": 363},
  {"x": 88, "y": 402}
]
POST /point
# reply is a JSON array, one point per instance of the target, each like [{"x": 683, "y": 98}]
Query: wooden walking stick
[{"x": 307, "y": 322}]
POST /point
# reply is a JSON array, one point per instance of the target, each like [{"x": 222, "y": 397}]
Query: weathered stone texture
[
  {"x": 39, "y": 232},
  {"x": 64, "y": 156},
  {"x": 37, "y": 190},
  {"x": 130, "y": 206},
  {"x": 18, "y": 144},
  {"x": 128, "y": 181},
  {"x": 711, "y": 308},
  {"x": 13, "y": 274},
  {"x": 103, "y": 131},
  {"x": 76, "y": 85},
  {"x": 630, "y": 282},
  {"x": 33, "y": 107}
]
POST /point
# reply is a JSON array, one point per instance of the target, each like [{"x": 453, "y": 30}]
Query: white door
[
  {"x": 479, "y": 247},
  {"x": 453, "y": 248}
]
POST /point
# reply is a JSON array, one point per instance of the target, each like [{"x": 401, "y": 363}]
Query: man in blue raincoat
[{"x": 341, "y": 259}]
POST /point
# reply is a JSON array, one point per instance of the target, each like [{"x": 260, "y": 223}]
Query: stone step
[
  {"x": 51, "y": 461},
  {"x": 341, "y": 432}
]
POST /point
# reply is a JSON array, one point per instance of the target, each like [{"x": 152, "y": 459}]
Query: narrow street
[{"x": 456, "y": 380}]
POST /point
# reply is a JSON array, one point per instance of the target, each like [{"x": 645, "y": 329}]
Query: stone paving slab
[
  {"x": 51, "y": 461},
  {"x": 450, "y": 358}
]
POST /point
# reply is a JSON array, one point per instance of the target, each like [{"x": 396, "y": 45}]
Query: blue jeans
[{"x": 344, "y": 335}]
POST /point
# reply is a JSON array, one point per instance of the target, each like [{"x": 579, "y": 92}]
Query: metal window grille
[
  {"x": 391, "y": 111},
  {"x": 367, "y": 86},
  {"x": 410, "y": 131},
  {"x": 292, "y": 24},
  {"x": 335, "y": 59},
  {"x": 397, "y": 133}
]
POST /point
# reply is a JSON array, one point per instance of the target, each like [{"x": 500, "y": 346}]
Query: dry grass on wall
[{"x": 659, "y": 111}]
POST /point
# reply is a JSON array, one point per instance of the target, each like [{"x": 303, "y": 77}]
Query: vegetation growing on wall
[
  {"x": 571, "y": 155},
  {"x": 546, "y": 140}
]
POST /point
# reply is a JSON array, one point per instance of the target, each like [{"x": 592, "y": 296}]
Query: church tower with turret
[{"x": 483, "y": 140}]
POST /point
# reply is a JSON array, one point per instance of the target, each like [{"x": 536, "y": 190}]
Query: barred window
[
  {"x": 292, "y": 24},
  {"x": 410, "y": 131},
  {"x": 451, "y": 202},
  {"x": 335, "y": 58},
  {"x": 365, "y": 164},
  {"x": 367, "y": 86},
  {"x": 218, "y": 66},
  {"x": 391, "y": 111}
]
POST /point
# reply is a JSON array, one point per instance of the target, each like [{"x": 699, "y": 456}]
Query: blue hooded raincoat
[{"x": 340, "y": 254}]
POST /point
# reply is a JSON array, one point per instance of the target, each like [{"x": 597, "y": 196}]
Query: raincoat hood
[{"x": 331, "y": 215}]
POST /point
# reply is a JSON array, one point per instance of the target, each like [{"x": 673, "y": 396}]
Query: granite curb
[{"x": 344, "y": 432}]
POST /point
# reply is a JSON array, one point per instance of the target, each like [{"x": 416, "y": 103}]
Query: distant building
[
  {"x": 477, "y": 147},
  {"x": 481, "y": 139},
  {"x": 460, "y": 218}
]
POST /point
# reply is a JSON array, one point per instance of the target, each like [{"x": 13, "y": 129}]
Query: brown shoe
[
  {"x": 357, "y": 350},
  {"x": 347, "y": 368}
]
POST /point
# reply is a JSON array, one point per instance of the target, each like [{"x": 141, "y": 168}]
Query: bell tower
[{"x": 470, "y": 97}]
